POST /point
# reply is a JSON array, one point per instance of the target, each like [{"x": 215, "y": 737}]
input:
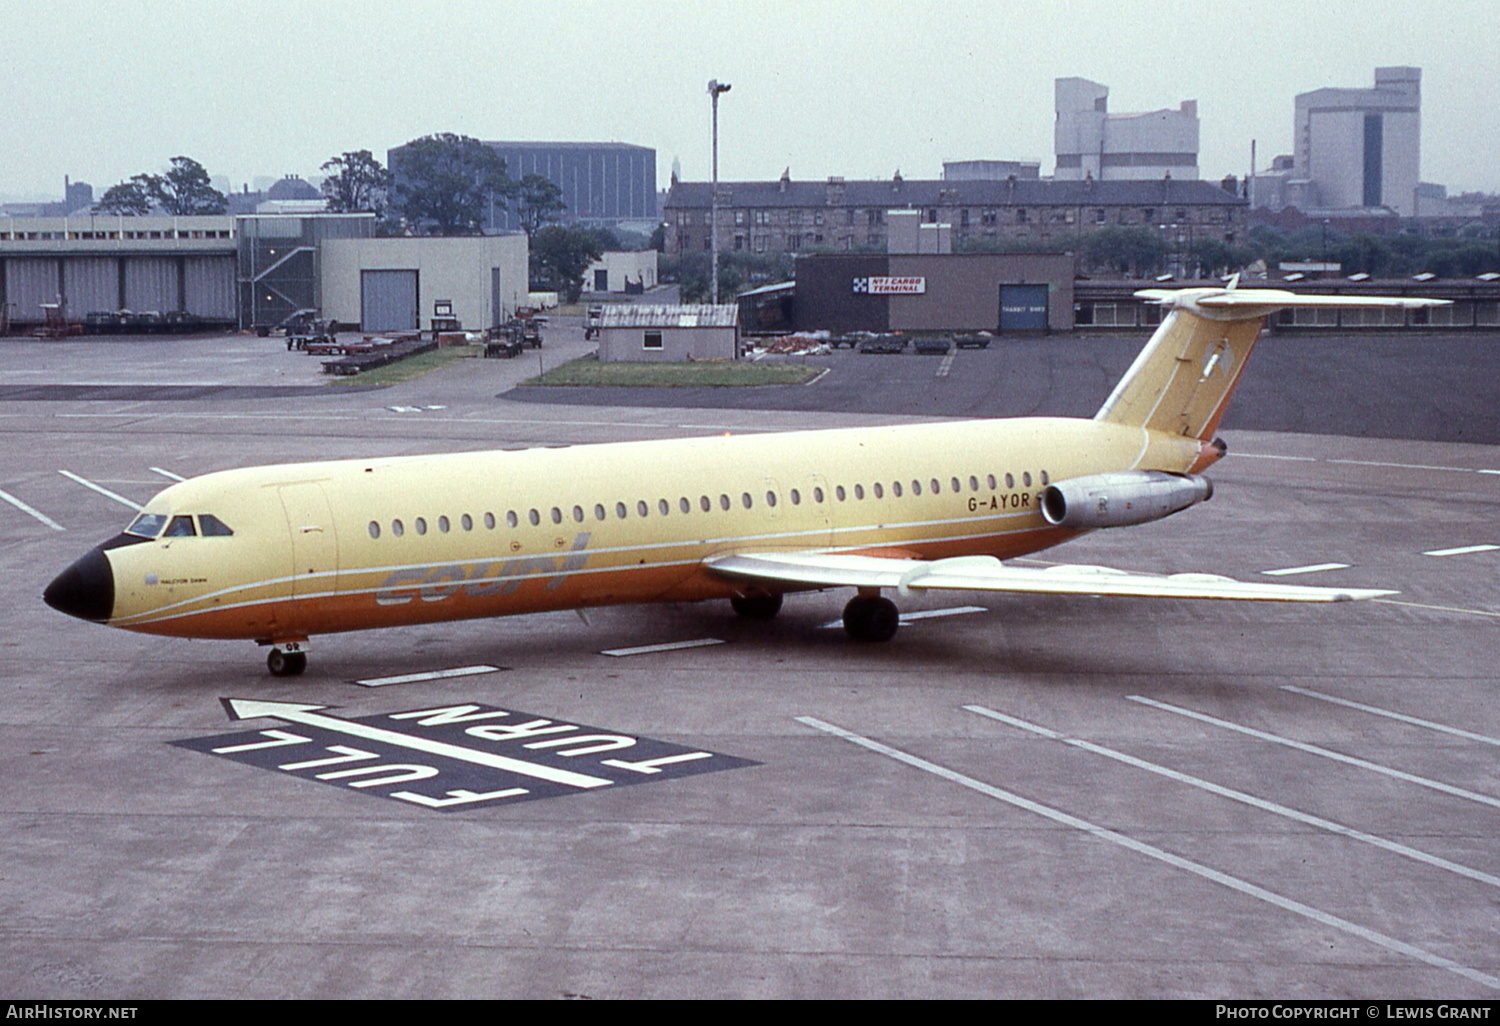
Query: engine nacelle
[{"x": 1121, "y": 499}]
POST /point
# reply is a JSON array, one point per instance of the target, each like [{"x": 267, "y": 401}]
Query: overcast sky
[{"x": 101, "y": 90}]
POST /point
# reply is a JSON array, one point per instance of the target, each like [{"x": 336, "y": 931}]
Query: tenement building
[{"x": 788, "y": 216}]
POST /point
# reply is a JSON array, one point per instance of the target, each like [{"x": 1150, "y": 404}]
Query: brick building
[{"x": 788, "y": 216}]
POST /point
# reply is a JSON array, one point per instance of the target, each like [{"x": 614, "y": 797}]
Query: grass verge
[
  {"x": 405, "y": 370},
  {"x": 588, "y": 370}
]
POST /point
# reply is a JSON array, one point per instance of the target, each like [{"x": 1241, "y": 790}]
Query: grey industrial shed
[{"x": 668, "y": 334}]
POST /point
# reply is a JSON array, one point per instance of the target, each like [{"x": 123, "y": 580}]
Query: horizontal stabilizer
[{"x": 985, "y": 573}]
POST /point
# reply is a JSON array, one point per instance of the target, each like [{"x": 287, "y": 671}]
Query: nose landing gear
[{"x": 287, "y": 659}]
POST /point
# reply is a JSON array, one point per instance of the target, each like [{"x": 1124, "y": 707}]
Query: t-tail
[{"x": 1181, "y": 382}]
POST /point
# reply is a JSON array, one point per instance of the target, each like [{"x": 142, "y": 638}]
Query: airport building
[
  {"x": 610, "y": 184},
  {"x": 646, "y": 333},
  {"x": 789, "y": 216},
  {"x": 1090, "y": 142},
  {"x": 957, "y": 292},
  {"x": 250, "y": 271}
]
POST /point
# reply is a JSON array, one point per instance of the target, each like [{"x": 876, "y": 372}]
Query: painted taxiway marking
[
  {"x": 245, "y": 709},
  {"x": 1303, "y": 746},
  {"x": 101, "y": 490},
  {"x": 671, "y": 646},
  {"x": 1161, "y": 855},
  {"x": 1368, "y": 463},
  {"x": 1311, "y": 569},
  {"x": 1440, "y": 609},
  {"x": 1467, "y": 735},
  {"x": 1462, "y": 550},
  {"x": 946, "y": 367},
  {"x": 921, "y": 614},
  {"x": 1244, "y": 798},
  {"x": 412, "y": 678},
  {"x": 167, "y": 474},
  {"x": 44, "y": 518}
]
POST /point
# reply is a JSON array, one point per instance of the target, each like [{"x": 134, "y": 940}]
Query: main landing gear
[
  {"x": 867, "y": 617},
  {"x": 288, "y": 659},
  {"x": 871, "y": 618},
  {"x": 757, "y": 605}
]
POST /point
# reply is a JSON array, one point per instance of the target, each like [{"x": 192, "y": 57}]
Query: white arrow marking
[{"x": 247, "y": 709}]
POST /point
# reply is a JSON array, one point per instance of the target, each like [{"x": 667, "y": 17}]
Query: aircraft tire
[
  {"x": 871, "y": 618},
  {"x": 286, "y": 664},
  {"x": 758, "y": 606}
]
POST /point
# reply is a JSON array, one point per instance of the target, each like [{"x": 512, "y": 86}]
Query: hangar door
[
  {"x": 388, "y": 300},
  {"x": 1023, "y": 307}
]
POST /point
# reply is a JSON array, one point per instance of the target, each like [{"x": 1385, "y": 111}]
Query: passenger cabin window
[
  {"x": 180, "y": 527},
  {"x": 211, "y": 526}
]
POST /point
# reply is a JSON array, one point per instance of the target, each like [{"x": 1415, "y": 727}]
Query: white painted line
[
  {"x": 1388, "y": 714},
  {"x": 1247, "y": 799},
  {"x": 1440, "y": 609},
  {"x": 168, "y": 474},
  {"x": 1348, "y": 760},
  {"x": 1402, "y": 466},
  {"x": 412, "y": 678},
  {"x": 1314, "y": 568},
  {"x": 1366, "y": 463},
  {"x": 1461, "y": 550},
  {"x": 44, "y": 518},
  {"x": 946, "y": 367},
  {"x": 922, "y": 614},
  {"x": 669, "y": 647},
  {"x": 100, "y": 489},
  {"x": 1159, "y": 854}
]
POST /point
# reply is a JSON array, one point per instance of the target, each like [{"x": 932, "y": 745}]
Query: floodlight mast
[{"x": 715, "y": 87}]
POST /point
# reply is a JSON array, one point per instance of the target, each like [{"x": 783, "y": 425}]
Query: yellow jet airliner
[{"x": 280, "y": 553}]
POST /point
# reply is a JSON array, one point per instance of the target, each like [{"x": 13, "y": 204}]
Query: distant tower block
[{"x": 1092, "y": 143}]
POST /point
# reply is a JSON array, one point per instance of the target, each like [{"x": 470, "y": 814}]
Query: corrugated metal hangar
[{"x": 252, "y": 271}]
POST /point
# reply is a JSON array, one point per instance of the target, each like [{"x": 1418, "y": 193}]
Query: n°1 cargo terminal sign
[{"x": 890, "y": 286}]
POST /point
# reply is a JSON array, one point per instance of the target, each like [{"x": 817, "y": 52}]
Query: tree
[
  {"x": 128, "y": 198},
  {"x": 357, "y": 182},
  {"x": 445, "y": 184},
  {"x": 563, "y": 254},
  {"x": 1128, "y": 250},
  {"x": 538, "y": 202},
  {"x": 185, "y": 190}
]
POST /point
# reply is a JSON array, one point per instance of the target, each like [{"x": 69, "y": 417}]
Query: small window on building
[{"x": 651, "y": 340}]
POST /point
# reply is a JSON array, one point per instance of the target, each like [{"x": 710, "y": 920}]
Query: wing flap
[{"x": 985, "y": 573}]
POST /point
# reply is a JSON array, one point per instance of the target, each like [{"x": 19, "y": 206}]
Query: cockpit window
[
  {"x": 147, "y": 525},
  {"x": 212, "y": 527},
  {"x": 180, "y": 527}
]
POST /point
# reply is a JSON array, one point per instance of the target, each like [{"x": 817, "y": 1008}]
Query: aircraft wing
[{"x": 986, "y": 573}]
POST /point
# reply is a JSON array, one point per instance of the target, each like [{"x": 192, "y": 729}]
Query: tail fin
[{"x": 1181, "y": 382}]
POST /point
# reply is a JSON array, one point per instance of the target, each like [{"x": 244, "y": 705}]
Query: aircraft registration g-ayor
[{"x": 279, "y": 554}]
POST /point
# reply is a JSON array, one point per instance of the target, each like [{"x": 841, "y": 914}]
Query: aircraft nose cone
[{"x": 85, "y": 590}]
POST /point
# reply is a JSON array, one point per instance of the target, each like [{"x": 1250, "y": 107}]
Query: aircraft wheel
[
  {"x": 756, "y": 607},
  {"x": 286, "y": 664},
  {"x": 871, "y": 618}
]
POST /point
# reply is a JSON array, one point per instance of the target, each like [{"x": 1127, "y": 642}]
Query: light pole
[{"x": 715, "y": 87}]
